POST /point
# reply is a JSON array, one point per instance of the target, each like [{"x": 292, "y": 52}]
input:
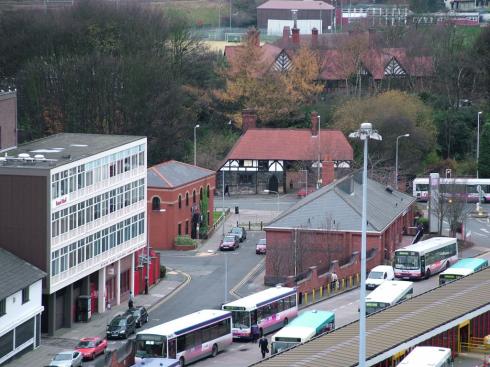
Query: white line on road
[
  {"x": 479, "y": 234},
  {"x": 484, "y": 230}
]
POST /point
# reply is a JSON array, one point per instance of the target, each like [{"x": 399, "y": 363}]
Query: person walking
[
  {"x": 131, "y": 300},
  {"x": 227, "y": 190},
  {"x": 264, "y": 346},
  {"x": 255, "y": 333},
  {"x": 334, "y": 280}
]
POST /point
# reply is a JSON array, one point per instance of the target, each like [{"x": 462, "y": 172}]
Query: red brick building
[
  {"x": 175, "y": 191},
  {"x": 324, "y": 229}
]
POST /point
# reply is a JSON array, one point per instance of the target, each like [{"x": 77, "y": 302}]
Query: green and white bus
[
  {"x": 461, "y": 269},
  {"x": 304, "y": 327},
  {"x": 388, "y": 294},
  {"x": 428, "y": 357}
]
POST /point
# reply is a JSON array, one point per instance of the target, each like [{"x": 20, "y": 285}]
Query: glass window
[
  {"x": 194, "y": 196},
  {"x": 155, "y": 203},
  {"x": 3, "y": 308},
  {"x": 25, "y": 295},
  {"x": 186, "y": 199},
  {"x": 180, "y": 201}
]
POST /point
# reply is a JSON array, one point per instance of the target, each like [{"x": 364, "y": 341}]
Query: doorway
[
  {"x": 273, "y": 184},
  {"x": 463, "y": 336}
]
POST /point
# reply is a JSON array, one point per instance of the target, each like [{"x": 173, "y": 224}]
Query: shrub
[
  {"x": 185, "y": 241},
  {"x": 163, "y": 271}
]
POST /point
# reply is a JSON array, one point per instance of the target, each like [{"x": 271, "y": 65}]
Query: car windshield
[
  {"x": 236, "y": 230},
  {"x": 135, "y": 312},
  {"x": 230, "y": 239},
  {"x": 86, "y": 344},
  {"x": 62, "y": 357},
  {"x": 376, "y": 275},
  {"x": 118, "y": 322},
  {"x": 261, "y": 242}
]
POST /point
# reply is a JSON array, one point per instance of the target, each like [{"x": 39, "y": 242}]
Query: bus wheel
[
  {"x": 215, "y": 350},
  {"x": 286, "y": 321},
  {"x": 427, "y": 274},
  {"x": 182, "y": 362}
]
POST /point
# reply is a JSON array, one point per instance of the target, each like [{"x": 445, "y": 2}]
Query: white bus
[
  {"x": 470, "y": 187},
  {"x": 425, "y": 258},
  {"x": 428, "y": 357},
  {"x": 269, "y": 309},
  {"x": 187, "y": 338},
  {"x": 389, "y": 293}
]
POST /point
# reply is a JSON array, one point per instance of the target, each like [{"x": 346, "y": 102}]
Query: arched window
[
  {"x": 186, "y": 199},
  {"x": 200, "y": 193},
  {"x": 207, "y": 191},
  {"x": 180, "y": 201},
  {"x": 155, "y": 203},
  {"x": 194, "y": 196}
]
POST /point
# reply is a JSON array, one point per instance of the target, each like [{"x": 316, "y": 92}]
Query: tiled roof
[
  {"x": 340, "y": 206},
  {"x": 268, "y": 56},
  {"x": 291, "y": 145},
  {"x": 298, "y": 5},
  {"x": 172, "y": 174},
  {"x": 16, "y": 274}
]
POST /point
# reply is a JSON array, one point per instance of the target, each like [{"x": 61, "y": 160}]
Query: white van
[{"x": 378, "y": 275}]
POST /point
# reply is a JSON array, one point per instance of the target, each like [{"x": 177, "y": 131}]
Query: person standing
[
  {"x": 227, "y": 190},
  {"x": 334, "y": 281},
  {"x": 255, "y": 333},
  {"x": 131, "y": 300},
  {"x": 264, "y": 346}
]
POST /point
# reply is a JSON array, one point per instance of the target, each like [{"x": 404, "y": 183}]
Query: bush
[
  {"x": 424, "y": 221},
  {"x": 185, "y": 241},
  {"x": 163, "y": 271}
]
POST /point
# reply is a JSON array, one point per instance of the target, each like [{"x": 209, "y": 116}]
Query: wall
[
  {"x": 8, "y": 120},
  {"x": 264, "y": 14}
]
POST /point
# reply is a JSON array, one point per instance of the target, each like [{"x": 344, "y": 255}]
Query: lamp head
[
  {"x": 406, "y": 135},
  {"x": 480, "y": 112},
  {"x": 266, "y": 191},
  {"x": 196, "y": 126}
]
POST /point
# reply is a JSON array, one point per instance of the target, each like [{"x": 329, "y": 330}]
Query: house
[
  {"x": 274, "y": 15},
  {"x": 324, "y": 229},
  {"x": 20, "y": 305},
  {"x": 279, "y": 159},
  {"x": 176, "y": 191},
  {"x": 74, "y": 205},
  {"x": 8, "y": 119}
]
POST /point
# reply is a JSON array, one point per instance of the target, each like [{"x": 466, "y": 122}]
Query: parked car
[
  {"x": 70, "y": 358},
  {"x": 121, "y": 326},
  {"x": 261, "y": 246},
  {"x": 240, "y": 232},
  {"x": 378, "y": 275},
  {"x": 140, "y": 315},
  {"x": 230, "y": 242},
  {"x": 91, "y": 347}
]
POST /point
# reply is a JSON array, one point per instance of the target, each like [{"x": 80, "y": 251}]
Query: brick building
[
  {"x": 324, "y": 228},
  {"x": 8, "y": 120},
  {"x": 175, "y": 191}
]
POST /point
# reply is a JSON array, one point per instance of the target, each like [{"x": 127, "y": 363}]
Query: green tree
[
  {"x": 203, "y": 228},
  {"x": 484, "y": 159}
]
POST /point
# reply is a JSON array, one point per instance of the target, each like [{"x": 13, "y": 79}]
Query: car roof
[{"x": 90, "y": 339}]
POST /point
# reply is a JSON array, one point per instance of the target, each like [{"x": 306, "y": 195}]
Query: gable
[
  {"x": 393, "y": 68},
  {"x": 282, "y": 62}
]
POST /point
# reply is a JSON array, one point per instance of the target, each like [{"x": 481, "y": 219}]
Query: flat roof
[
  {"x": 396, "y": 328},
  {"x": 64, "y": 148}
]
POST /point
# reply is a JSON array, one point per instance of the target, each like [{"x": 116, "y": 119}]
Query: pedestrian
[
  {"x": 334, "y": 280},
  {"x": 131, "y": 300},
  {"x": 264, "y": 346},
  {"x": 255, "y": 333},
  {"x": 227, "y": 190}
]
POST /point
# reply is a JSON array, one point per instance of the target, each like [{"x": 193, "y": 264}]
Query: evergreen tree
[{"x": 484, "y": 159}]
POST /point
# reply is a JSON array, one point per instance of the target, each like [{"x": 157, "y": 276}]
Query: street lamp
[
  {"x": 319, "y": 155},
  {"x": 478, "y": 144},
  {"x": 396, "y": 159},
  {"x": 195, "y": 147},
  {"x": 274, "y": 192},
  {"x": 365, "y": 133},
  {"x": 148, "y": 257}
]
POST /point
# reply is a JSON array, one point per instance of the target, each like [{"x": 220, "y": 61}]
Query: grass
[
  {"x": 217, "y": 215},
  {"x": 198, "y": 13}
]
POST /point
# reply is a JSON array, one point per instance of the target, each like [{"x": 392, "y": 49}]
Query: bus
[
  {"x": 471, "y": 187},
  {"x": 188, "y": 338},
  {"x": 461, "y": 269},
  {"x": 428, "y": 357},
  {"x": 304, "y": 327},
  {"x": 425, "y": 258},
  {"x": 269, "y": 309},
  {"x": 388, "y": 294}
]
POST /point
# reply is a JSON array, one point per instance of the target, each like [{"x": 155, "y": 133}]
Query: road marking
[
  {"x": 479, "y": 234},
  {"x": 245, "y": 278},
  {"x": 484, "y": 230}
]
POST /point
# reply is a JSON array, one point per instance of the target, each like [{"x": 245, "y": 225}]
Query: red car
[
  {"x": 302, "y": 192},
  {"x": 91, "y": 347}
]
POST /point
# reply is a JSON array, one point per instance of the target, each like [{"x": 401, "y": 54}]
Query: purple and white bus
[
  {"x": 269, "y": 309},
  {"x": 472, "y": 189},
  {"x": 186, "y": 339}
]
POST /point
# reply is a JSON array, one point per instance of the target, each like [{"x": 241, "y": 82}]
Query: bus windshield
[
  {"x": 280, "y": 346},
  {"x": 407, "y": 260},
  {"x": 148, "y": 348},
  {"x": 241, "y": 319},
  {"x": 372, "y": 307}
]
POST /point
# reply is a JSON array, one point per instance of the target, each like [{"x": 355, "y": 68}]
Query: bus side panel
[
  {"x": 439, "y": 266},
  {"x": 276, "y": 321},
  {"x": 205, "y": 349}
]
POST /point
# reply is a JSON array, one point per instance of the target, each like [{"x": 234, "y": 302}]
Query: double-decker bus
[
  {"x": 188, "y": 338},
  {"x": 304, "y": 327},
  {"x": 461, "y": 269},
  {"x": 428, "y": 357},
  {"x": 471, "y": 188},
  {"x": 388, "y": 294},
  {"x": 269, "y": 309},
  {"x": 425, "y": 258}
]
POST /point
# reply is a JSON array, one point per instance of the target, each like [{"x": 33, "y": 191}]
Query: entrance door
[
  {"x": 60, "y": 308},
  {"x": 273, "y": 183},
  {"x": 172, "y": 348},
  {"x": 463, "y": 336}
]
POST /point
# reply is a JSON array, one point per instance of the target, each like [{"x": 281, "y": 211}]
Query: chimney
[
  {"x": 253, "y": 35},
  {"x": 285, "y": 35},
  {"x": 249, "y": 119},
  {"x": 295, "y": 36},
  {"x": 314, "y": 123},
  {"x": 371, "y": 37},
  {"x": 314, "y": 38},
  {"x": 328, "y": 171}
]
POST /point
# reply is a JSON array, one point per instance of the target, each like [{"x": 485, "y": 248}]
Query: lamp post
[
  {"x": 306, "y": 181},
  {"x": 365, "y": 133},
  {"x": 478, "y": 145},
  {"x": 195, "y": 146},
  {"x": 274, "y": 192},
  {"x": 148, "y": 257},
  {"x": 319, "y": 155},
  {"x": 396, "y": 159}
]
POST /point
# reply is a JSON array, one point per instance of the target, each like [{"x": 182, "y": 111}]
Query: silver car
[{"x": 70, "y": 358}]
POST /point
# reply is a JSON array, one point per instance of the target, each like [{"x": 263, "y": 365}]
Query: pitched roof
[
  {"x": 172, "y": 174},
  {"x": 296, "y": 5},
  {"x": 16, "y": 274},
  {"x": 269, "y": 53},
  {"x": 339, "y": 206},
  {"x": 290, "y": 145}
]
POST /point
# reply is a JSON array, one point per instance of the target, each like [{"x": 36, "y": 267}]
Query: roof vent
[
  {"x": 39, "y": 157},
  {"x": 24, "y": 156}
]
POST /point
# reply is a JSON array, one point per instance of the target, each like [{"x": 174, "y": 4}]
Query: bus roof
[
  {"x": 186, "y": 323},
  {"x": 258, "y": 299},
  {"x": 302, "y": 332},
  {"x": 466, "y": 181},
  {"x": 389, "y": 291},
  {"x": 471, "y": 263},
  {"x": 428, "y": 244},
  {"x": 425, "y": 357},
  {"x": 312, "y": 319}
]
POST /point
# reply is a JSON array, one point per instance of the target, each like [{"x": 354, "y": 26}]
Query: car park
[
  {"x": 140, "y": 315},
  {"x": 121, "y": 326},
  {"x": 70, "y": 358},
  {"x": 240, "y": 232},
  {"x": 91, "y": 347},
  {"x": 261, "y": 246},
  {"x": 230, "y": 242}
]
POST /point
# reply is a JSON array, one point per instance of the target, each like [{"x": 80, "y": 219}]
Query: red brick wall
[{"x": 163, "y": 226}]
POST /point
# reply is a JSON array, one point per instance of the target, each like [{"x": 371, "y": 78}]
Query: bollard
[
  {"x": 306, "y": 298},
  {"x": 343, "y": 283},
  {"x": 321, "y": 291},
  {"x": 357, "y": 278},
  {"x": 313, "y": 295},
  {"x": 249, "y": 225},
  {"x": 328, "y": 290},
  {"x": 350, "y": 281}
]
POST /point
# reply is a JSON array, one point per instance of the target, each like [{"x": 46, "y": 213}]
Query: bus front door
[{"x": 172, "y": 348}]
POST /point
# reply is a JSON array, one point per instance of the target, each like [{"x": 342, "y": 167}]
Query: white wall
[{"x": 276, "y": 26}]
